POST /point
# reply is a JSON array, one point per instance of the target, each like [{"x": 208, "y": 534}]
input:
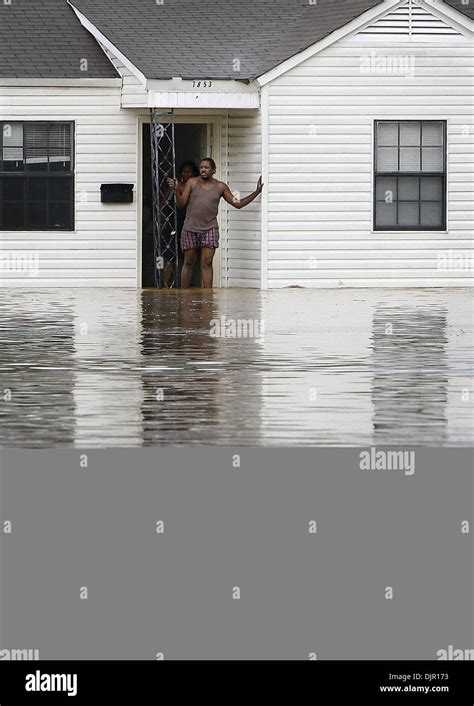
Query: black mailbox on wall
[{"x": 116, "y": 193}]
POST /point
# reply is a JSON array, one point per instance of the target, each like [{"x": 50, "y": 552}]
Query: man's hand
[
  {"x": 242, "y": 203},
  {"x": 172, "y": 183}
]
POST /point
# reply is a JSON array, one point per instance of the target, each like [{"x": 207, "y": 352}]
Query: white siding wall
[
  {"x": 103, "y": 249},
  {"x": 243, "y": 227},
  {"x": 321, "y": 117},
  {"x": 133, "y": 92}
]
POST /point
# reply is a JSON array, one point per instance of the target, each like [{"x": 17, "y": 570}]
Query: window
[
  {"x": 36, "y": 176},
  {"x": 410, "y": 175}
]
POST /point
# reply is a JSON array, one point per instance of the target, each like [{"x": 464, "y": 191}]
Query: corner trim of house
[
  {"x": 92, "y": 29},
  {"x": 265, "y": 178}
]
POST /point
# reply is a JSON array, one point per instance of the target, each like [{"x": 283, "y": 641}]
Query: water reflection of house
[
  {"x": 410, "y": 374},
  {"x": 37, "y": 375}
]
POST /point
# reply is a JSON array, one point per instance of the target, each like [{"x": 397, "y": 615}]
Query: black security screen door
[{"x": 165, "y": 238}]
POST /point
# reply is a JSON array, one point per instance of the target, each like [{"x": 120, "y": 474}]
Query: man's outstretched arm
[{"x": 241, "y": 203}]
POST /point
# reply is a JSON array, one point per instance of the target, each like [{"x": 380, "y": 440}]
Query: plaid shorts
[{"x": 193, "y": 239}]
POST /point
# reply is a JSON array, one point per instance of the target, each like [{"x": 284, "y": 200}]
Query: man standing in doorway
[{"x": 202, "y": 195}]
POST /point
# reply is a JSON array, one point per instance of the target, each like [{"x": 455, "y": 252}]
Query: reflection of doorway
[{"x": 191, "y": 143}]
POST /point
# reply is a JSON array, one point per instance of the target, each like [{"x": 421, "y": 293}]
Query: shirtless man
[{"x": 202, "y": 195}]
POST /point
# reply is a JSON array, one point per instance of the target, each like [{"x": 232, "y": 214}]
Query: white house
[{"x": 358, "y": 114}]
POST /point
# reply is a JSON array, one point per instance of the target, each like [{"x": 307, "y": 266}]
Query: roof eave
[
  {"x": 450, "y": 13},
  {"x": 102, "y": 39},
  {"x": 63, "y": 82}
]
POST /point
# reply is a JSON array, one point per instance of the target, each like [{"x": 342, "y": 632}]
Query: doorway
[{"x": 191, "y": 144}]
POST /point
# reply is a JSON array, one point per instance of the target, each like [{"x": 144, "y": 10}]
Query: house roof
[
  {"x": 213, "y": 39},
  {"x": 467, "y": 10},
  {"x": 205, "y": 38},
  {"x": 44, "y": 39}
]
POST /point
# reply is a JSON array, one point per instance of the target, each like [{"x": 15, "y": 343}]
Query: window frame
[
  {"x": 440, "y": 175},
  {"x": 26, "y": 173}
]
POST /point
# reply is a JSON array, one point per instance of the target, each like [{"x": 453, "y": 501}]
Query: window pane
[
  {"x": 410, "y": 134},
  {"x": 60, "y": 189},
  {"x": 60, "y": 164},
  {"x": 37, "y": 214},
  {"x": 60, "y": 215},
  {"x": 13, "y": 159},
  {"x": 433, "y": 134},
  {"x": 408, "y": 214},
  {"x": 12, "y": 203},
  {"x": 431, "y": 214},
  {"x": 36, "y": 161},
  {"x": 386, "y": 214},
  {"x": 409, "y": 159},
  {"x": 60, "y": 147},
  {"x": 13, "y": 189},
  {"x": 387, "y": 134},
  {"x": 37, "y": 189},
  {"x": 27, "y": 199},
  {"x": 387, "y": 159},
  {"x": 409, "y": 188},
  {"x": 431, "y": 189},
  {"x": 13, "y": 215},
  {"x": 386, "y": 189},
  {"x": 36, "y": 146},
  {"x": 12, "y": 134},
  {"x": 432, "y": 159},
  {"x": 410, "y": 201}
]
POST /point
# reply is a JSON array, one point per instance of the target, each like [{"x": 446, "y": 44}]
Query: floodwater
[{"x": 349, "y": 367}]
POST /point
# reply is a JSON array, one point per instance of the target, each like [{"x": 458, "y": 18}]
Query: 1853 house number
[{"x": 202, "y": 84}]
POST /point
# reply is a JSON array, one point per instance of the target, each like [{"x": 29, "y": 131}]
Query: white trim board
[
  {"x": 92, "y": 29},
  {"x": 62, "y": 82},
  {"x": 197, "y": 99},
  {"x": 265, "y": 178},
  {"x": 450, "y": 14},
  {"x": 218, "y": 85}
]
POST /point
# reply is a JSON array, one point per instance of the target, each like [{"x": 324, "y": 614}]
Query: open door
[{"x": 165, "y": 147}]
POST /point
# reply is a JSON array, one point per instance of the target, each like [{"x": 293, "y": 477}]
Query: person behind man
[
  {"x": 186, "y": 171},
  {"x": 202, "y": 195}
]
